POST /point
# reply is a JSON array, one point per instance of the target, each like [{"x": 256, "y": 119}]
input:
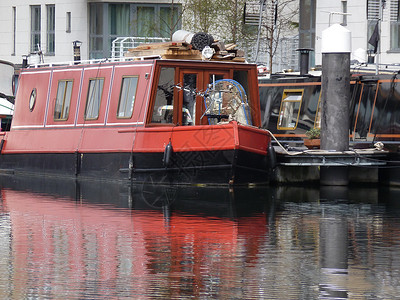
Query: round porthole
[{"x": 32, "y": 99}]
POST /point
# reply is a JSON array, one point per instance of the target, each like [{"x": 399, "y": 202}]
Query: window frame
[
  {"x": 285, "y": 95},
  {"x": 88, "y": 97},
  {"x": 32, "y": 99},
  {"x": 62, "y": 118},
  {"x": 121, "y": 95}
]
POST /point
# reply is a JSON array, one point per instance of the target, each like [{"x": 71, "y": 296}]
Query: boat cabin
[{"x": 146, "y": 92}]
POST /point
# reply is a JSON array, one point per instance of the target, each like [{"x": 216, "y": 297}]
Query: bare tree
[
  {"x": 224, "y": 19},
  {"x": 203, "y": 15},
  {"x": 280, "y": 19}
]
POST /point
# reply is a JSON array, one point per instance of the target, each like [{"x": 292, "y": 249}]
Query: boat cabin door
[{"x": 194, "y": 84}]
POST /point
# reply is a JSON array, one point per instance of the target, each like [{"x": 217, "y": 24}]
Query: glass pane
[
  {"x": 94, "y": 99},
  {"x": 168, "y": 24},
  {"x": 189, "y": 99},
  {"x": 96, "y": 18},
  {"x": 50, "y": 42},
  {"x": 145, "y": 21},
  {"x": 35, "y": 18},
  {"x": 127, "y": 98},
  {"x": 163, "y": 106},
  {"x": 50, "y": 17},
  {"x": 35, "y": 27},
  {"x": 118, "y": 19},
  {"x": 288, "y": 115},
  {"x": 63, "y": 100},
  {"x": 394, "y": 35},
  {"x": 59, "y": 100},
  {"x": 67, "y": 101},
  {"x": 50, "y": 29}
]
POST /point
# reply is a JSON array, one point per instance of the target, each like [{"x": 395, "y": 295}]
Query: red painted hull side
[{"x": 141, "y": 139}]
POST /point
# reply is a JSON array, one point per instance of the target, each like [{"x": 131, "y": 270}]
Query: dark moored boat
[{"x": 290, "y": 106}]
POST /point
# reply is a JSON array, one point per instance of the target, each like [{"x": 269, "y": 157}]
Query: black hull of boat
[{"x": 200, "y": 167}]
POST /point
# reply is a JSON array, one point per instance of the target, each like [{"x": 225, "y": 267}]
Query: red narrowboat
[{"x": 157, "y": 120}]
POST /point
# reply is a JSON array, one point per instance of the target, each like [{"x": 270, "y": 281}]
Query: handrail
[
  {"x": 121, "y": 44},
  {"x": 93, "y": 61}
]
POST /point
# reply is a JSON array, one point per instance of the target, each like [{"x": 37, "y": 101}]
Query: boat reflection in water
[{"x": 99, "y": 240}]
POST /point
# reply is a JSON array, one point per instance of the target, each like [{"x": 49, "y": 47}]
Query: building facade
[
  {"x": 52, "y": 28},
  {"x": 361, "y": 18}
]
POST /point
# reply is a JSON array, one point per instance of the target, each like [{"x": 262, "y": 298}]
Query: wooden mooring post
[{"x": 336, "y": 49}]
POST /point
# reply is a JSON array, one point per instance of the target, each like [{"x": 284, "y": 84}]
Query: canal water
[{"x": 95, "y": 240}]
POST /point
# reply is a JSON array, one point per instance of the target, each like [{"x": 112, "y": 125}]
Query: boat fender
[
  {"x": 271, "y": 156},
  {"x": 168, "y": 155}
]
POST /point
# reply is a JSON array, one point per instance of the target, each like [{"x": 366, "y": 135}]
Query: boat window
[
  {"x": 164, "y": 102},
  {"x": 127, "y": 97},
  {"x": 189, "y": 99},
  {"x": 290, "y": 109},
  {"x": 317, "y": 122},
  {"x": 241, "y": 77},
  {"x": 32, "y": 99},
  {"x": 63, "y": 100},
  {"x": 94, "y": 98}
]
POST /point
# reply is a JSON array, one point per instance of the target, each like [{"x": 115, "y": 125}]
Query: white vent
[
  {"x": 394, "y": 10},
  {"x": 373, "y": 10}
]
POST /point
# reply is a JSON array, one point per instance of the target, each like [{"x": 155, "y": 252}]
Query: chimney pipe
[{"x": 304, "y": 60}]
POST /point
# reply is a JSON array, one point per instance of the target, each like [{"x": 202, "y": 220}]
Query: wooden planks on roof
[{"x": 183, "y": 50}]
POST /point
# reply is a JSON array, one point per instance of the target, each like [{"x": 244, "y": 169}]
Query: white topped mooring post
[{"x": 336, "y": 49}]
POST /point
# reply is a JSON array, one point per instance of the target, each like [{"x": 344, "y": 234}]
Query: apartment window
[
  {"x": 94, "y": 98},
  {"x": 118, "y": 19},
  {"x": 168, "y": 22},
  {"x": 344, "y": 11},
  {"x": 35, "y": 27},
  {"x": 155, "y": 20},
  {"x": 14, "y": 29},
  {"x": 127, "y": 97},
  {"x": 110, "y": 20},
  {"x": 68, "y": 22},
  {"x": 63, "y": 100},
  {"x": 395, "y": 25},
  {"x": 96, "y": 30},
  {"x": 145, "y": 21},
  {"x": 290, "y": 109},
  {"x": 50, "y": 29}
]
